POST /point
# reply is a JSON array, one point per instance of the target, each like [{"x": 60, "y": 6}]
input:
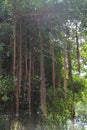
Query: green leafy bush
[{"x": 7, "y": 84}]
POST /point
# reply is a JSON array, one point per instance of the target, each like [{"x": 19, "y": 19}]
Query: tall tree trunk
[
  {"x": 14, "y": 62},
  {"x": 65, "y": 65},
  {"x": 53, "y": 63},
  {"x": 29, "y": 87},
  {"x": 77, "y": 48},
  {"x": 59, "y": 79},
  {"x": 26, "y": 62},
  {"x": 42, "y": 76},
  {"x": 15, "y": 74},
  {"x": 17, "y": 100},
  {"x": 71, "y": 84},
  {"x": 33, "y": 60},
  {"x": 20, "y": 57},
  {"x": 17, "y": 92}
]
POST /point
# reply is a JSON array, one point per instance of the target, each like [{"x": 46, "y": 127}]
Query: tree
[
  {"x": 42, "y": 73},
  {"x": 36, "y": 68}
]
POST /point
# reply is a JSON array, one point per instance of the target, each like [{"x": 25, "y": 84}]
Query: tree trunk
[
  {"x": 15, "y": 74},
  {"x": 65, "y": 65},
  {"x": 42, "y": 76},
  {"x": 59, "y": 79},
  {"x": 17, "y": 93},
  {"x": 53, "y": 63},
  {"x": 29, "y": 87},
  {"x": 14, "y": 62},
  {"x": 33, "y": 60},
  {"x": 71, "y": 84},
  {"x": 77, "y": 48},
  {"x": 20, "y": 57},
  {"x": 26, "y": 62}
]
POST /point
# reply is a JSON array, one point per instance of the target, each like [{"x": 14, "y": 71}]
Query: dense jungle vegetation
[{"x": 43, "y": 64}]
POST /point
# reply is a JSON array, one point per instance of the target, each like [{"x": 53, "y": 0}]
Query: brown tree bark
[
  {"x": 17, "y": 92},
  {"x": 65, "y": 65},
  {"x": 71, "y": 84},
  {"x": 77, "y": 48},
  {"x": 14, "y": 60},
  {"x": 42, "y": 76},
  {"x": 29, "y": 86},
  {"x": 15, "y": 69},
  {"x": 33, "y": 62},
  {"x": 26, "y": 62},
  {"x": 59, "y": 73},
  {"x": 53, "y": 62},
  {"x": 20, "y": 57}
]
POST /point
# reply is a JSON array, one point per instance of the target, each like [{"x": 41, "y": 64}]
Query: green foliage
[
  {"x": 4, "y": 122},
  {"x": 65, "y": 13},
  {"x": 81, "y": 114},
  {"x": 7, "y": 84},
  {"x": 79, "y": 84},
  {"x": 58, "y": 108}
]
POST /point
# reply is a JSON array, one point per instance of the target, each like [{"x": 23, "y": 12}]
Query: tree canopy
[{"x": 43, "y": 65}]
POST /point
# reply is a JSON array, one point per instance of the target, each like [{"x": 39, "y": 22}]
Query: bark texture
[
  {"x": 65, "y": 69},
  {"x": 77, "y": 48},
  {"x": 14, "y": 60},
  {"x": 29, "y": 87},
  {"x": 42, "y": 76},
  {"x": 53, "y": 62},
  {"x": 20, "y": 57},
  {"x": 71, "y": 84}
]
